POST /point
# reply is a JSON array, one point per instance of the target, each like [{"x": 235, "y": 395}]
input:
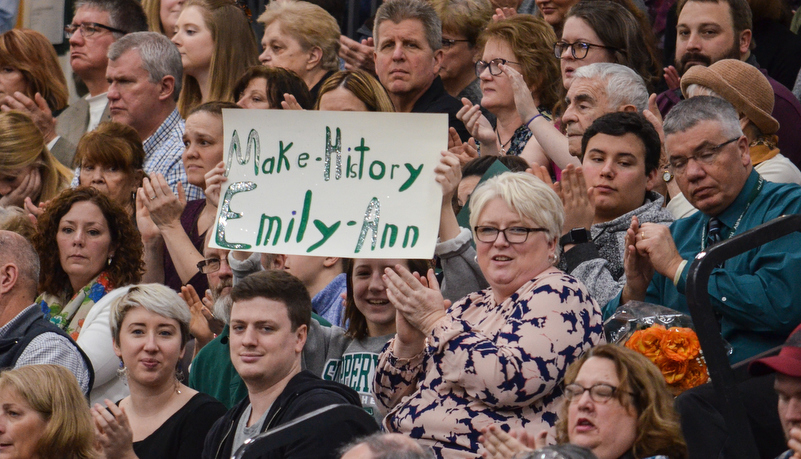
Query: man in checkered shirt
[{"x": 144, "y": 74}]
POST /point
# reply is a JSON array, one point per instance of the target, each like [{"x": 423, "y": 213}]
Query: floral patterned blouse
[{"x": 489, "y": 363}]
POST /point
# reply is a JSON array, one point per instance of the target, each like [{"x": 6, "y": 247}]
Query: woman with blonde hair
[
  {"x": 27, "y": 169},
  {"x": 216, "y": 45},
  {"x": 43, "y": 413},
  {"x": 162, "y": 15},
  {"x": 301, "y": 37},
  {"x": 354, "y": 90}
]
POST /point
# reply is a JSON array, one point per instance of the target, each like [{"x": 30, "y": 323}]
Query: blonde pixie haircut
[
  {"x": 156, "y": 298},
  {"x": 658, "y": 428},
  {"x": 310, "y": 25},
  {"x": 53, "y": 392},
  {"x": 235, "y": 50},
  {"x": 524, "y": 193},
  {"x": 362, "y": 85},
  {"x": 22, "y": 145}
]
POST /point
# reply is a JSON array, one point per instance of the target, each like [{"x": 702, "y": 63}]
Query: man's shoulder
[{"x": 436, "y": 100}]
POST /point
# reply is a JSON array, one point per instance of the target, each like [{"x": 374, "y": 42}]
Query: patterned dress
[{"x": 490, "y": 363}]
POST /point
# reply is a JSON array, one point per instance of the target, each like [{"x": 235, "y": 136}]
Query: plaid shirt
[
  {"x": 163, "y": 152},
  {"x": 50, "y": 348}
]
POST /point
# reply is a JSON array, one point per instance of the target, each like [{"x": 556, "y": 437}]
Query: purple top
[{"x": 189, "y": 223}]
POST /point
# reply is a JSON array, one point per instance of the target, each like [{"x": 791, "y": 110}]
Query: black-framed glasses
[
  {"x": 578, "y": 49},
  {"x": 88, "y": 29},
  {"x": 493, "y": 65},
  {"x": 209, "y": 265},
  {"x": 706, "y": 156},
  {"x": 449, "y": 42},
  {"x": 599, "y": 393},
  {"x": 513, "y": 234}
]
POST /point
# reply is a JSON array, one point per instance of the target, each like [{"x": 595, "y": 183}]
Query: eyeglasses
[
  {"x": 88, "y": 29},
  {"x": 449, "y": 42},
  {"x": 513, "y": 234},
  {"x": 493, "y": 66},
  {"x": 599, "y": 393},
  {"x": 209, "y": 265},
  {"x": 578, "y": 49},
  {"x": 705, "y": 156}
]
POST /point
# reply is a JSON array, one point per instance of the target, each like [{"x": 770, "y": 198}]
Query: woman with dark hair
[
  {"x": 608, "y": 31},
  {"x": 173, "y": 229},
  {"x": 112, "y": 160},
  {"x": 43, "y": 414},
  {"x": 216, "y": 45},
  {"x": 162, "y": 418},
  {"x": 266, "y": 88},
  {"x": 370, "y": 319},
  {"x": 617, "y": 404},
  {"x": 88, "y": 246}
]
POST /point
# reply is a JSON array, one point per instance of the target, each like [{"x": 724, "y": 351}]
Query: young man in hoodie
[
  {"x": 270, "y": 319},
  {"x": 619, "y": 169}
]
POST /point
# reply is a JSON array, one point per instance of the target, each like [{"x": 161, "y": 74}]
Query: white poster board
[{"x": 343, "y": 184}]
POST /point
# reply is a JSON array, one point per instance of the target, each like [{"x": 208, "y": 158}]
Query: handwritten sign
[{"x": 345, "y": 184}]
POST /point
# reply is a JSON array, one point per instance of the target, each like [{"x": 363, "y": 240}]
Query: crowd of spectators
[{"x": 619, "y": 173}]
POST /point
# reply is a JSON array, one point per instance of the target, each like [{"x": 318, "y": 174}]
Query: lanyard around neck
[{"x": 751, "y": 198}]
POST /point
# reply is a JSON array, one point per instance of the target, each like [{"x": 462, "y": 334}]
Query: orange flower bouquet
[
  {"x": 666, "y": 338},
  {"x": 677, "y": 353}
]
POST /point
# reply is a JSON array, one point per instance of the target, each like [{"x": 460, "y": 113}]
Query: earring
[
  {"x": 475, "y": 258},
  {"x": 552, "y": 258},
  {"x": 108, "y": 262}
]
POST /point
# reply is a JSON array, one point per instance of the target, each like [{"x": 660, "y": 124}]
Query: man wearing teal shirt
[{"x": 755, "y": 295}]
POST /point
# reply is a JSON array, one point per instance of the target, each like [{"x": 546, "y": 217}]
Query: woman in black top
[{"x": 161, "y": 418}]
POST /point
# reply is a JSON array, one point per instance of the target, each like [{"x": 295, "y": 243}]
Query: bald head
[
  {"x": 15, "y": 250},
  {"x": 386, "y": 446}
]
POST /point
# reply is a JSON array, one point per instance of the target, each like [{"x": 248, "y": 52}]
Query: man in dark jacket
[
  {"x": 270, "y": 318},
  {"x": 26, "y": 337}
]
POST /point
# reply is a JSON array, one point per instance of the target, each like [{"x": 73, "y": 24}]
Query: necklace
[{"x": 503, "y": 145}]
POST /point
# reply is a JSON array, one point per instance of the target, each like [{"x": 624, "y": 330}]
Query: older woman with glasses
[
  {"x": 497, "y": 355},
  {"x": 617, "y": 405},
  {"x": 522, "y": 42}
]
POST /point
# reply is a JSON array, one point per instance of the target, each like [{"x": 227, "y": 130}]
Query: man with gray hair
[
  {"x": 386, "y": 446},
  {"x": 144, "y": 75},
  {"x": 95, "y": 25},
  {"x": 598, "y": 89},
  {"x": 754, "y": 294},
  {"x": 408, "y": 55},
  {"x": 26, "y": 336}
]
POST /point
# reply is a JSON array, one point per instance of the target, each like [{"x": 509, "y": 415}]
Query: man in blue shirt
[{"x": 755, "y": 294}]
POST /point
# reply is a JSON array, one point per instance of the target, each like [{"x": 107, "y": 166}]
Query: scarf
[{"x": 69, "y": 315}]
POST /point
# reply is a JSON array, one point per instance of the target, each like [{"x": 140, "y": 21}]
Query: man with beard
[
  {"x": 212, "y": 371},
  {"x": 710, "y": 30}
]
